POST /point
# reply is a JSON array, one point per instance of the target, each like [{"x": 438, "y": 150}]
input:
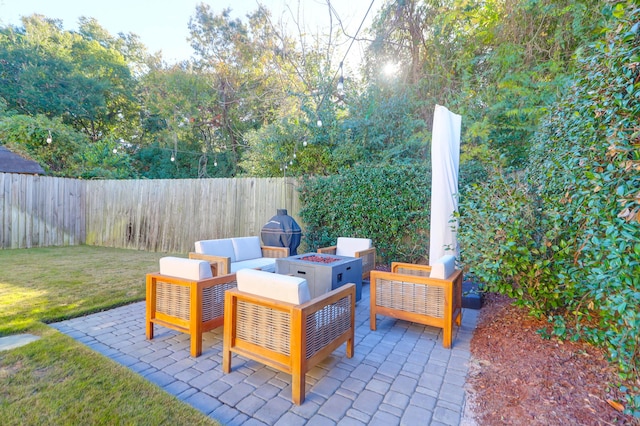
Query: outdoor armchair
[
  {"x": 184, "y": 296},
  {"x": 355, "y": 247},
  {"x": 271, "y": 318},
  {"x": 430, "y": 295}
]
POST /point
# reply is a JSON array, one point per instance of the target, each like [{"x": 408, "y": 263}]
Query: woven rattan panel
[
  {"x": 326, "y": 324},
  {"x": 413, "y": 271},
  {"x": 409, "y": 297},
  {"x": 264, "y": 326},
  {"x": 213, "y": 300},
  {"x": 173, "y": 300}
]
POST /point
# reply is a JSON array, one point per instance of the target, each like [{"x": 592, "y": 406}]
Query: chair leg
[
  {"x": 150, "y": 310},
  {"x": 446, "y": 335},
  {"x": 149, "y": 323},
  {"x": 149, "y": 329},
  {"x": 297, "y": 387},
  {"x": 196, "y": 344},
  {"x": 226, "y": 361},
  {"x": 372, "y": 303},
  {"x": 350, "y": 348}
]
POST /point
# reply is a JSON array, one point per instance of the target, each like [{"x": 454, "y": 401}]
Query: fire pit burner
[{"x": 320, "y": 259}]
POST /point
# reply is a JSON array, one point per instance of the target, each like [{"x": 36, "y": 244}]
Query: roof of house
[{"x": 14, "y": 163}]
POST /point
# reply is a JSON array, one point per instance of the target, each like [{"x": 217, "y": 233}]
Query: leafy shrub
[
  {"x": 388, "y": 204},
  {"x": 503, "y": 242},
  {"x": 565, "y": 237}
]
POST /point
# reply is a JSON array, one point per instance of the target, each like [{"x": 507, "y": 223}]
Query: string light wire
[{"x": 353, "y": 39}]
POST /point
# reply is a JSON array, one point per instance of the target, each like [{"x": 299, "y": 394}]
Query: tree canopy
[{"x": 251, "y": 98}]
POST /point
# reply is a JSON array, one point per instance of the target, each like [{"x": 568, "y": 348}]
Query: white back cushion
[
  {"x": 443, "y": 267},
  {"x": 284, "y": 288},
  {"x": 189, "y": 269},
  {"x": 246, "y": 248},
  {"x": 349, "y": 246},
  {"x": 222, "y": 247}
]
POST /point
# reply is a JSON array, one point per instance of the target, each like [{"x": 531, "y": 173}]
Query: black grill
[{"x": 282, "y": 231}]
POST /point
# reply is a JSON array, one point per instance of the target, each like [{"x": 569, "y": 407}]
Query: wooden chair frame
[
  {"x": 223, "y": 264},
  {"x": 188, "y": 306},
  {"x": 409, "y": 294},
  {"x": 290, "y": 338},
  {"x": 368, "y": 257}
]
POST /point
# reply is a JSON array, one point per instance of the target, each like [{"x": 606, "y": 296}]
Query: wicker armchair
[
  {"x": 184, "y": 296},
  {"x": 355, "y": 247},
  {"x": 288, "y": 336},
  {"x": 414, "y": 293}
]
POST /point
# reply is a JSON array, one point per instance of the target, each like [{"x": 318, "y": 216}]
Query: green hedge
[
  {"x": 564, "y": 237},
  {"x": 389, "y": 204}
]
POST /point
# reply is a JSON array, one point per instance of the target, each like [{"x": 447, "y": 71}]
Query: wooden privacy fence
[
  {"x": 40, "y": 211},
  {"x": 154, "y": 215}
]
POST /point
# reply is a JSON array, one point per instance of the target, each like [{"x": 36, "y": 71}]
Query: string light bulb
[
  {"x": 319, "y": 123},
  {"x": 49, "y": 138}
]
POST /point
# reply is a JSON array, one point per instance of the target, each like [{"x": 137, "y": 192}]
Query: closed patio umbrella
[{"x": 445, "y": 160}]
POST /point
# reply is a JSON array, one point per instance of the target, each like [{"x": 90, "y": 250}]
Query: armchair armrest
[
  {"x": 222, "y": 264},
  {"x": 274, "y": 252},
  {"x": 410, "y": 269},
  {"x": 328, "y": 250}
]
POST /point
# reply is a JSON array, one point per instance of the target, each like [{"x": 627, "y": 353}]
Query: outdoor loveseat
[
  {"x": 233, "y": 254},
  {"x": 271, "y": 318}
]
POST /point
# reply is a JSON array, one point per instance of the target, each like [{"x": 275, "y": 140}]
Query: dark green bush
[
  {"x": 389, "y": 204},
  {"x": 564, "y": 238},
  {"x": 503, "y": 242}
]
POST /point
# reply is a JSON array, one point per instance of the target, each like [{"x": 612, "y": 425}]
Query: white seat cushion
[
  {"x": 222, "y": 247},
  {"x": 189, "y": 269},
  {"x": 284, "y": 288},
  {"x": 349, "y": 246},
  {"x": 264, "y": 263},
  {"x": 443, "y": 268},
  {"x": 246, "y": 248}
]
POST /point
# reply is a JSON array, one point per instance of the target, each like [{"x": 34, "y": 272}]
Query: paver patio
[{"x": 399, "y": 375}]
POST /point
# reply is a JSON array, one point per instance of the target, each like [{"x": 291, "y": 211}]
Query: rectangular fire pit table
[{"x": 323, "y": 272}]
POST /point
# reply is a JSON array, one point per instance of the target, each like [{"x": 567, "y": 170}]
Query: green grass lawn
[{"x": 57, "y": 380}]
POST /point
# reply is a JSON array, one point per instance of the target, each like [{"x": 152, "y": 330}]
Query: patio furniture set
[{"x": 291, "y": 312}]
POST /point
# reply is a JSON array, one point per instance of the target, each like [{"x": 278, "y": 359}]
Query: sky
[{"x": 162, "y": 24}]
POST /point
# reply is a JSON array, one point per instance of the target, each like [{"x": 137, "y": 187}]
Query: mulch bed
[{"x": 518, "y": 378}]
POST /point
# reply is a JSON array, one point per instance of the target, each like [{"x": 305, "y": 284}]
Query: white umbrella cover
[{"x": 445, "y": 161}]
